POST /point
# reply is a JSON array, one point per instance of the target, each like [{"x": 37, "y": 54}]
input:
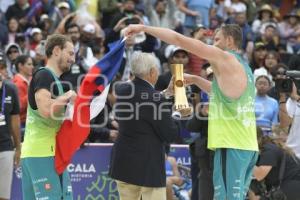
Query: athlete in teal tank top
[
  {"x": 46, "y": 108},
  {"x": 232, "y": 122},
  {"x": 232, "y": 132}
]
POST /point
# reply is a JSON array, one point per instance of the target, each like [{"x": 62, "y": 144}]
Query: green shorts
[
  {"x": 232, "y": 175},
  {"x": 40, "y": 180}
]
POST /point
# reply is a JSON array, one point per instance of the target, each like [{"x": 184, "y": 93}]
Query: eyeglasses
[{"x": 13, "y": 51}]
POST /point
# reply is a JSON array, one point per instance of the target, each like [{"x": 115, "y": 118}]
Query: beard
[{"x": 63, "y": 64}]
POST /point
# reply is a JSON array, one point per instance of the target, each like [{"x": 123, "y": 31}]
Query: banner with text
[{"x": 89, "y": 172}]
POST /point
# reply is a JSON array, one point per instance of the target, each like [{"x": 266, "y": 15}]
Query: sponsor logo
[
  {"x": 8, "y": 99},
  {"x": 82, "y": 168},
  {"x": 40, "y": 180},
  {"x": 48, "y": 186}
]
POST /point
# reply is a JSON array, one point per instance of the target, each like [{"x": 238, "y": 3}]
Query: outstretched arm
[
  {"x": 194, "y": 46},
  {"x": 227, "y": 69}
]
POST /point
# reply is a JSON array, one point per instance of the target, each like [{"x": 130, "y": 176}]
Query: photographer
[
  {"x": 292, "y": 112},
  {"x": 287, "y": 90},
  {"x": 269, "y": 164},
  {"x": 276, "y": 73}
]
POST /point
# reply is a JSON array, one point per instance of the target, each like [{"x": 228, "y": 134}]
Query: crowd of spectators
[{"x": 271, "y": 44}]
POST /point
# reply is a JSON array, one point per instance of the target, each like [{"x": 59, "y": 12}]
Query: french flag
[{"x": 87, "y": 105}]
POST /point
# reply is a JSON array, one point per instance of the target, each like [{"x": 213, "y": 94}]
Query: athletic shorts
[
  {"x": 6, "y": 172},
  {"x": 233, "y": 173},
  {"x": 40, "y": 180}
]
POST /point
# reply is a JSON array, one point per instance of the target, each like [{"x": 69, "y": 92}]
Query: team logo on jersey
[{"x": 48, "y": 186}]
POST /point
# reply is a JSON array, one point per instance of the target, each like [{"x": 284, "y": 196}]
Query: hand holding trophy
[{"x": 182, "y": 107}]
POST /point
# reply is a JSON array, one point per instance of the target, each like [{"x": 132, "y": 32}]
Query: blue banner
[{"x": 89, "y": 172}]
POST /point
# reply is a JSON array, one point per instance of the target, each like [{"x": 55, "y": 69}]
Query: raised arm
[
  {"x": 214, "y": 55},
  {"x": 194, "y": 46},
  {"x": 227, "y": 69}
]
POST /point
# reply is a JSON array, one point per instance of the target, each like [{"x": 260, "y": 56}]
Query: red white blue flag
[{"x": 74, "y": 132}]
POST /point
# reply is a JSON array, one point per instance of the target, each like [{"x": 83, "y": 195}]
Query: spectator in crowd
[
  {"x": 269, "y": 37},
  {"x": 220, "y": 10},
  {"x": 271, "y": 60},
  {"x": 84, "y": 57},
  {"x": 289, "y": 29},
  {"x": 90, "y": 41},
  {"x": 127, "y": 11},
  {"x": 13, "y": 29},
  {"x": 162, "y": 13},
  {"x": 266, "y": 108},
  {"x": 47, "y": 101},
  {"x": 36, "y": 37},
  {"x": 240, "y": 19},
  {"x": 104, "y": 127},
  {"x": 196, "y": 12},
  {"x": 40, "y": 57},
  {"x": 43, "y": 7},
  {"x": 88, "y": 34},
  {"x": 79, "y": 18},
  {"x": 24, "y": 67},
  {"x": 177, "y": 55},
  {"x": 3, "y": 69},
  {"x": 251, "y": 10},
  {"x": 115, "y": 34},
  {"x": 234, "y": 6},
  {"x": 45, "y": 25},
  {"x": 24, "y": 45},
  {"x": 19, "y": 10},
  {"x": 176, "y": 184},
  {"x": 195, "y": 63},
  {"x": 265, "y": 16},
  {"x": 268, "y": 167},
  {"x": 294, "y": 62},
  {"x": 107, "y": 8},
  {"x": 12, "y": 51},
  {"x": 138, "y": 155},
  {"x": 4, "y": 31},
  {"x": 142, "y": 42},
  {"x": 73, "y": 31},
  {"x": 64, "y": 9},
  {"x": 258, "y": 56},
  {"x": 235, "y": 71},
  {"x": 5, "y": 4},
  {"x": 10, "y": 145}
]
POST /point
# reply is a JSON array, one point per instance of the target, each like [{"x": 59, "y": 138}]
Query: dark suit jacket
[{"x": 138, "y": 155}]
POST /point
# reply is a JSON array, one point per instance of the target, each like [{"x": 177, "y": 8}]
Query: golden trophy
[{"x": 182, "y": 107}]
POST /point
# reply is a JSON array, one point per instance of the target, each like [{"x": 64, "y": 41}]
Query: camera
[
  {"x": 284, "y": 84},
  {"x": 132, "y": 20},
  {"x": 259, "y": 188}
]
